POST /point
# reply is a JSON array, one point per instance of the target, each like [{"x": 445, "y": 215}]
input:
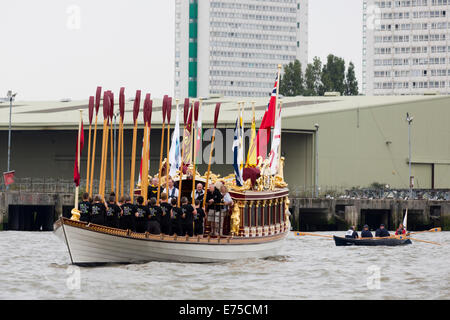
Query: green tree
[
  {"x": 351, "y": 83},
  {"x": 333, "y": 75},
  {"x": 292, "y": 83},
  {"x": 313, "y": 75}
]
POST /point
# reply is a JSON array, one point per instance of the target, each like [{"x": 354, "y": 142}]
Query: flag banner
[
  {"x": 187, "y": 140},
  {"x": 251, "y": 155},
  {"x": 8, "y": 177},
  {"x": 174, "y": 153},
  {"x": 238, "y": 153},
  {"x": 198, "y": 134},
  {"x": 267, "y": 122},
  {"x": 76, "y": 170},
  {"x": 274, "y": 157}
]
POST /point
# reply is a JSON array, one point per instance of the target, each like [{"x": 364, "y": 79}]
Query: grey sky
[{"x": 47, "y": 53}]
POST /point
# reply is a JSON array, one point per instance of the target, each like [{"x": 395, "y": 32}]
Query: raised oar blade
[
  {"x": 106, "y": 105},
  {"x": 136, "y": 106},
  {"x": 144, "y": 114},
  {"x": 196, "y": 107},
  {"x": 169, "y": 109},
  {"x": 111, "y": 107},
  {"x": 98, "y": 96},
  {"x": 122, "y": 102},
  {"x": 164, "y": 108},
  {"x": 91, "y": 108},
  {"x": 216, "y": 114},
  {"x": 186, "y": 110},
  {"x": 150, "y": 110}
]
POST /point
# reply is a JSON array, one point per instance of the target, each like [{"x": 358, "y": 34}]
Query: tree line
[{"x": 318, "y": 79}]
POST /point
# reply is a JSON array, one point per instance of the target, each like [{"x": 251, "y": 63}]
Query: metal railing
[{"x": 337, "y": 192}]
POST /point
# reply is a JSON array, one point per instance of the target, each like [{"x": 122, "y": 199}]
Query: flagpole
[
  {"x": 161, "y": 151},
  {"x": 278, "y": 90},
  {"x": 279, "y": 146},
  {"x": 78, "y": 156}
]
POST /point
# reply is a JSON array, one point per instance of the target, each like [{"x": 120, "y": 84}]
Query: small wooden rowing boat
[{"x": 394, "y": 241}]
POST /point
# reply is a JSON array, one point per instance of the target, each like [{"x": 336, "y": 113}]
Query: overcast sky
[{"x": 63, "y": 49}]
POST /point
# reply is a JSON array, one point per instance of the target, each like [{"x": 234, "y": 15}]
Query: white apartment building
[
  {"x": 233, "y": 47},
  {"x": 406, "y": 48}
]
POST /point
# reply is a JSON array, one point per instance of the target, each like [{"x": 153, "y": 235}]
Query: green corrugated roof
[{"x": 64, "y": 115}]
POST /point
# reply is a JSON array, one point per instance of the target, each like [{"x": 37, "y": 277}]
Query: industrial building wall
[
  {"x": 51, "y": 154},
  {"x": 361, "y": 146}
]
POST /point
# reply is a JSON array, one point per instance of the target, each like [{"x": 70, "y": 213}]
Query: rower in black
[
  {"x": 98, "y": 213},
  {"x": 187, "y": 216},
  {"x": 142, "y": 213},
  {"x": 166, "y": 215},
  {"x": 112, "y": 213},
  {"x": 127, "y": 217},
  {"x": 176, "y": 218},
  {"x": 154, "y": 217},
  {"x": 198, "y": 219},
  {"x": 85, "y": 208}
]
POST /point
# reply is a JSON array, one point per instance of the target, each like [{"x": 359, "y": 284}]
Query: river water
[{"x": 36, "y": 265}]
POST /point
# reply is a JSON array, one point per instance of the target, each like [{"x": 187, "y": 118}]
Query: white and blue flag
[
  {"x": 174, "y": 152},
  {"x": 238, "y": 151}
]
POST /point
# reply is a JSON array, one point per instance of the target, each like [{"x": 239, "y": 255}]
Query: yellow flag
[{"x": 251, "y": 156}]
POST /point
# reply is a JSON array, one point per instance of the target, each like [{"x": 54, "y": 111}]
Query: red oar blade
[
  {"x": 91, "y": 108},
  {"x": 164, "y": 108},
  {"x": 196, "y": 107},
  {"x": 98, "y": 96},
  {"x": 186, "y": 110},
  {"x": 137, "y": 105},
  {"x": 122, "y": 102},
  {"x": 216, "y": 114},
  {"x": 169, "y": 109}
]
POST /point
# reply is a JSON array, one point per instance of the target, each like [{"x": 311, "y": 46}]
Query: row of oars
[
  {"x": 299, "y": 233},
  {"x": 117, "y": 186}
]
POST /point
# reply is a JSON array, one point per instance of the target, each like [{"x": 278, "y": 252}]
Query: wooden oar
[
  {"x": 119, "y": 142},
  {"x": 168, "y": 115},
  {"x": 97, "y": 107},
  {"x": 111, "y": 116},
  {"x": 439, "y": 229},
  {"x": 419, "y": 240},
  {"x": 298, "y": 233},
  {"x": 161, "y": 151},
  {"x": 137, "y": 102},
  {"x": 88, "y": 163}
]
